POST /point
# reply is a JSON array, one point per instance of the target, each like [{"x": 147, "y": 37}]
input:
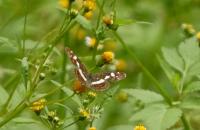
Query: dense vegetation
[{"x": 156, "y": 43}]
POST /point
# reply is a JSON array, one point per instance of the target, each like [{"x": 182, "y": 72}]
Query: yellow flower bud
[
  {"x": 139, "y": 127},
  {"x": 108, "y": 56},
  {"x": 64, "y": 3},
  {"x": 92, "y": 128}
]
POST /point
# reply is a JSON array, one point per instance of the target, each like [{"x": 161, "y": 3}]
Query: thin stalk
[
  {"x": 71, "y": 123},
  {"x": 97, "y": 26},
  {"x": 144, "y": 69},
  {"x": 64, "y": 63},
  {"x": 185, "y": 123},
  {"x": 25, "y": 23}
]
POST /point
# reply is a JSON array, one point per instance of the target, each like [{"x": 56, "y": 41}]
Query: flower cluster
[
  {"x": 89, "y": 6},
  {"x": 38, "y": 105},
  {"x": 54, "y": 119}
]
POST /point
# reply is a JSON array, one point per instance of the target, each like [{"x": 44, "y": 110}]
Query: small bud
[
  {"x": 188, "y": 30},
  {"x": 107, "y": 20},
  {"x": 91, "y": 95},
  {"x": 107, "y": 56},
  {"x": 42, "y": 76},
  {"x": 73, "y": 13},
  {"x": 51, "y": 115},
  {"x": 122, "y": 96}
]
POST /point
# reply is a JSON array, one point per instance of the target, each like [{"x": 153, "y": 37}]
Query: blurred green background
[{"x": 157, "y": 23}]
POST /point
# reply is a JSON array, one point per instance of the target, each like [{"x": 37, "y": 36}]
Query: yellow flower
[
  {"x": 108, "y": 56},
  {"x": 64, "y": 3},
  {"x": 139, "y": 127},
  {"x": 92, "y": 128},
  {"x": 89, "y": 5},
  {"x": 188, "y": 29},
  {"x": 90, "y": 42},
  {"x": 120, "y": 65},
  {"x": 37, "y": 106},
  {"x": 198, "y": 36},
  {"x": 84, "y": 113},
  {"x": 88, "y": 15},
  {"x": 92, "y": 94},
  {"x": 107, "y": 20}
]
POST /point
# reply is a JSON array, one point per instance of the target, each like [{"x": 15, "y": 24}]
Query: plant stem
[
  {"x": 185, "y": 123},
  {"x": 24, "y": 30},
  {"x": 144, "y": 69},
  {"x": 61, "y": 100}
]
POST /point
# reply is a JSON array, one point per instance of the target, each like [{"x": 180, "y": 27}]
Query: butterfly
[{"x": 98, "y": 81}]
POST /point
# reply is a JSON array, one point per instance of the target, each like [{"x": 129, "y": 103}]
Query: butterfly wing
[
  {"x": 80, "y": 70},
  {"x": 75, "y": 60},
  {"x": 101, "y": 81}
]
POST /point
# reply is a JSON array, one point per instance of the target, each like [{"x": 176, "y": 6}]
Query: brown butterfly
[{"x": 97, "y": 82}]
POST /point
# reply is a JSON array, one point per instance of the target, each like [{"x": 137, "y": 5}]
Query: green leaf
[
  {"x": 145, "y": 96},
  {"x": 158, "y": 116},
  {"x": 3, "y": 95},
  {"x": 191, "y": 102},
  {"x": 171, "y": 75},
  {"x": 170, "y": 117},
  {"x": 84, "y": 22},
  {"x": 193, "y": 87},
  {"x": 190, "y": 51},
  {"x": 173, "y": 58},
  {"x": 194, "y": 70},
  {"x": 24, "y": 120}
]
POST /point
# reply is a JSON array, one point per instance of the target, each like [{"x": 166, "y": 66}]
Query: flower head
[
  {"x": 88, "y": 15},
  {"x": 84, "y": 113},
  {"x": 139, "y": 127},
  {"x": 38, "y": 105},
  {"x": 89, "y": 5},
  {"x": 90, "y": 42},
  {"x": 188, "y": 29},
  {"x": 107, "y": 56},
  {"x": 92, "y": 128},
  {"x": 107, "y": 20},
  {"x": 92, "y": 94},
  {"x": 64, "y": 3}
]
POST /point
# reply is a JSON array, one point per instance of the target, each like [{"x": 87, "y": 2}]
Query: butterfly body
[{"x": 97, "y": 82}]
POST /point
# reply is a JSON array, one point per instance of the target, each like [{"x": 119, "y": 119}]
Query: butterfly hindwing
[{"x": 101, "y": 81}]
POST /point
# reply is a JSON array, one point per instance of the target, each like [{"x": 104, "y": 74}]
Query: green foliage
[{"x": 38, "y": 87}]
